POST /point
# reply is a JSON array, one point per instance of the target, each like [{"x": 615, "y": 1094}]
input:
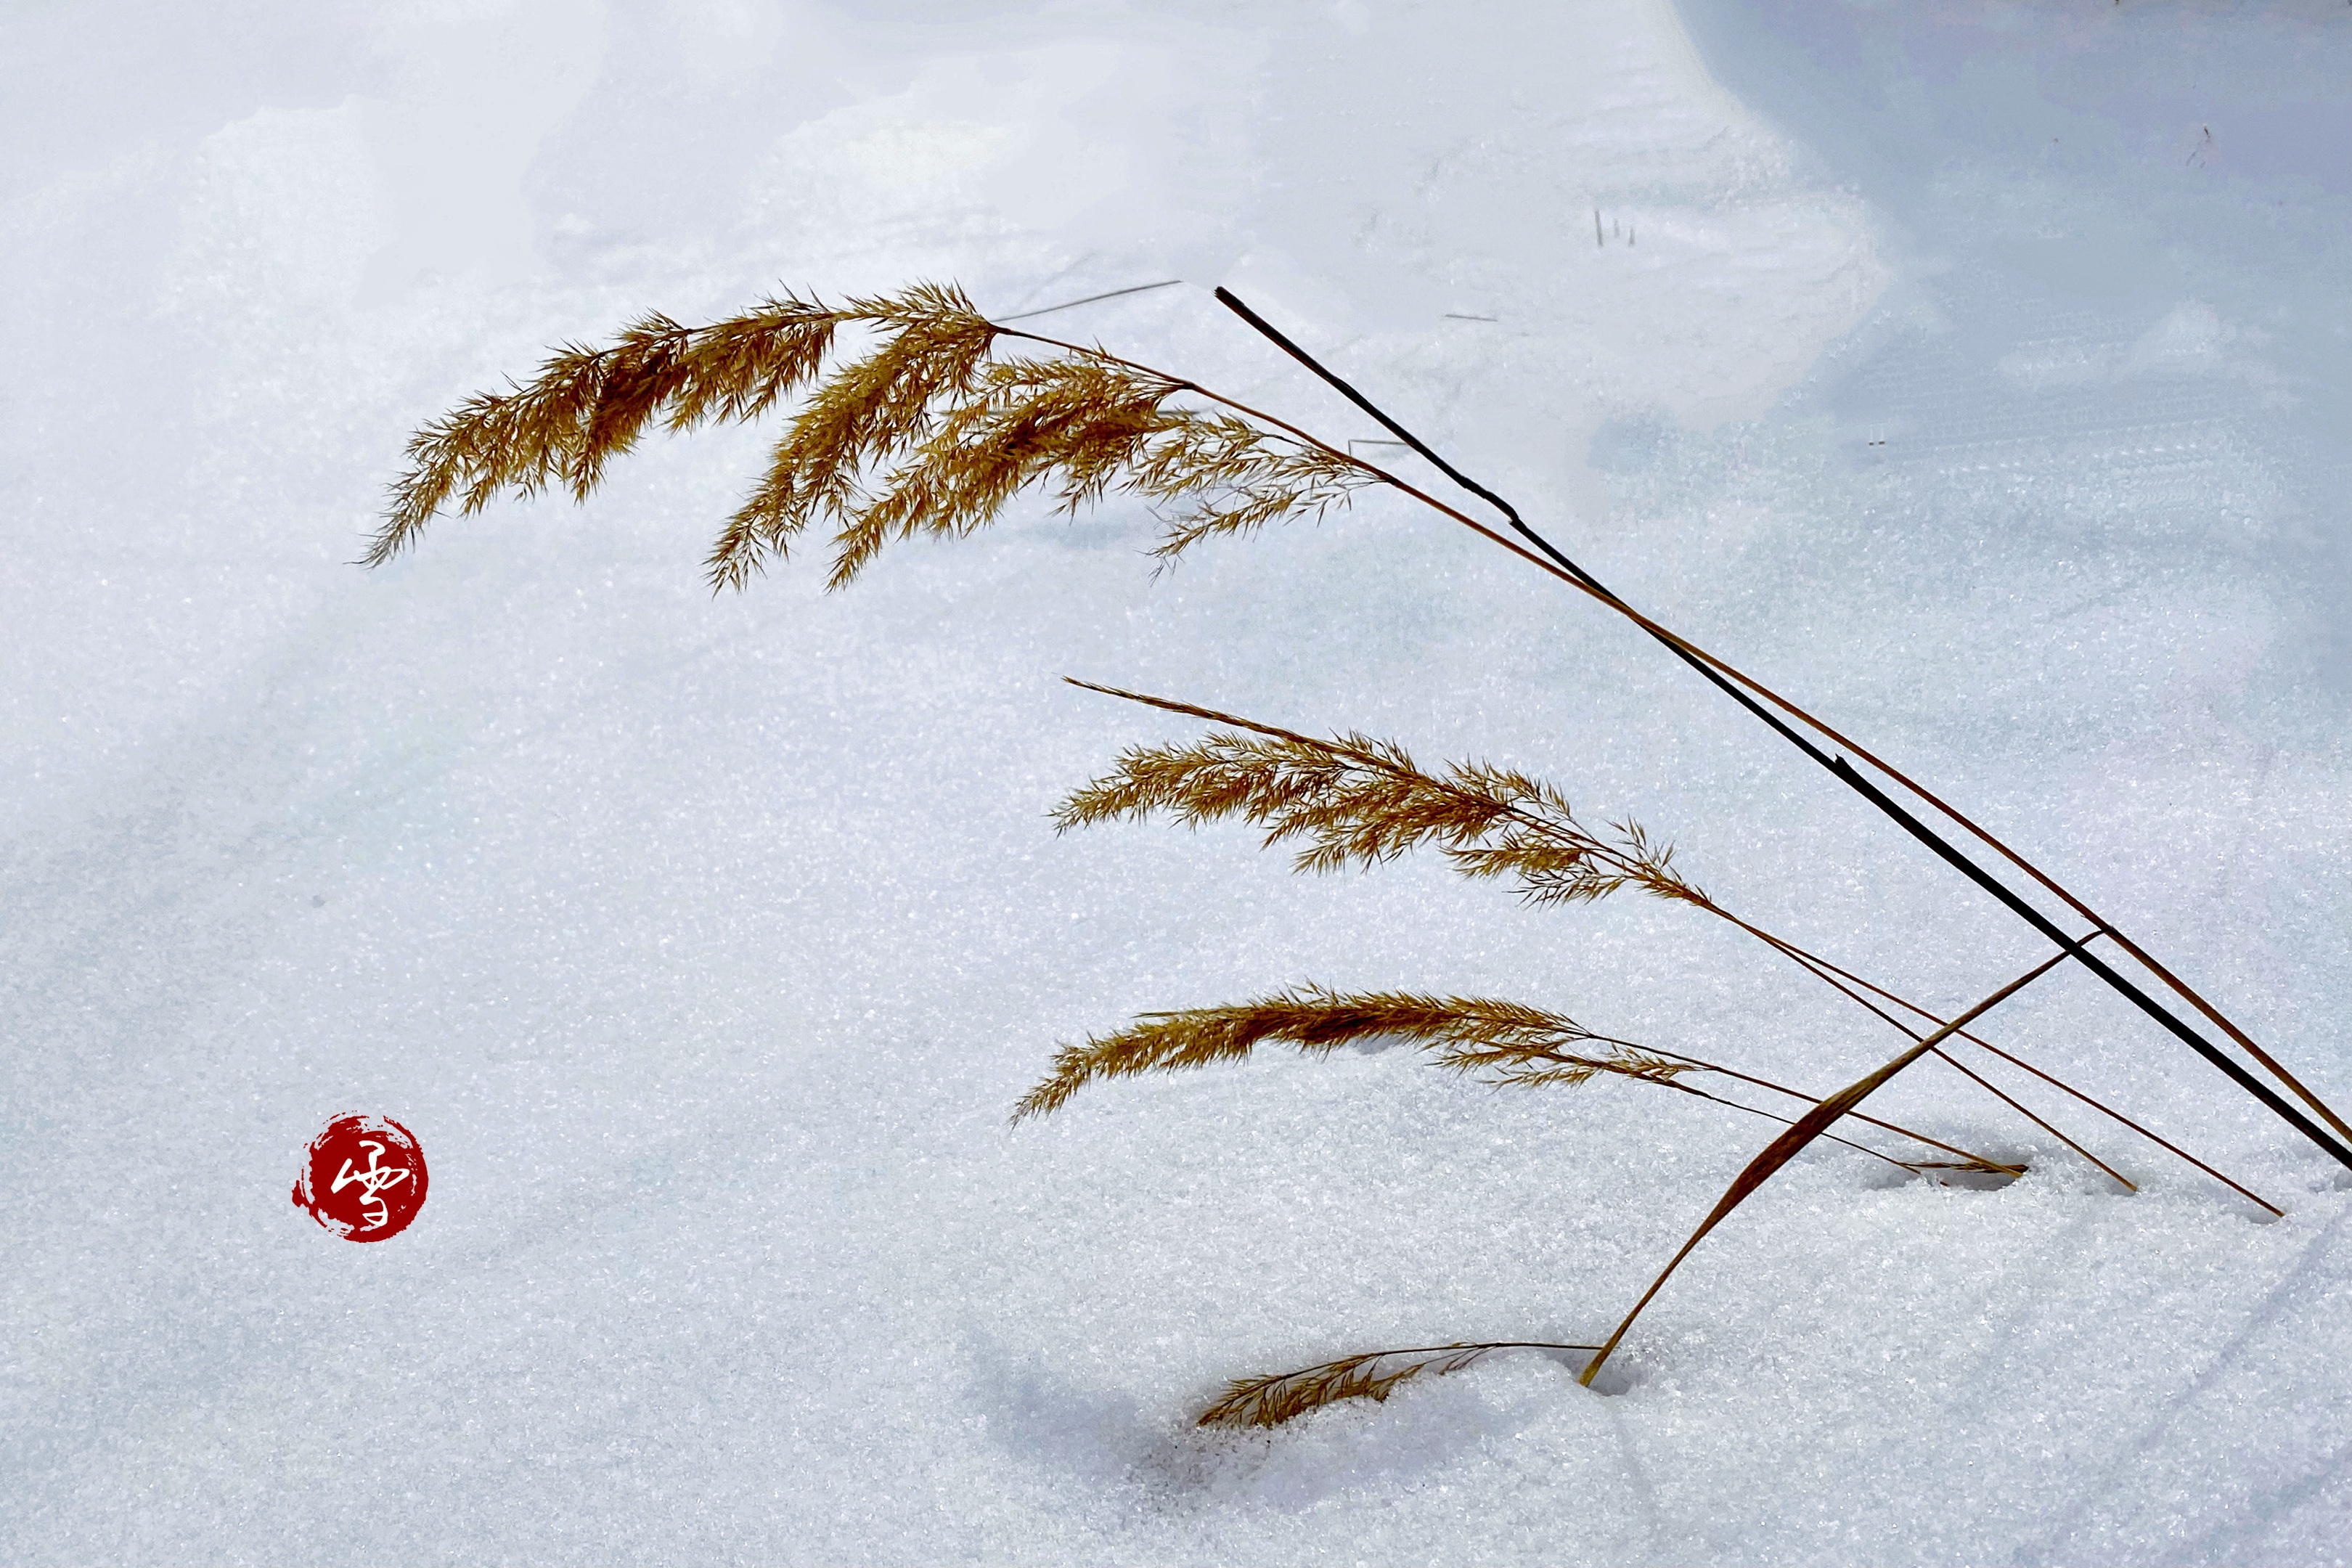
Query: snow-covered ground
[{"x": 1978, "y": 373}]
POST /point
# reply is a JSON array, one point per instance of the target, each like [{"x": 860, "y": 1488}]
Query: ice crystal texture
[{"x": 1977, "y": 375}]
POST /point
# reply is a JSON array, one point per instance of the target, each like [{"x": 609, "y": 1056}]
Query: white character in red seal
[{"x": 362, "y": 1177}]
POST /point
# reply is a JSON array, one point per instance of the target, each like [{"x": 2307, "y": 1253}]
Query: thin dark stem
[
  {"x": 2179, "y": 985},
  {"x": 1730, "y": 680}
]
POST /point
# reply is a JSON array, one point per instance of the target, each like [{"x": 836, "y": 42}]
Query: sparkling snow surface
[{"x": 1976, "y": 373}]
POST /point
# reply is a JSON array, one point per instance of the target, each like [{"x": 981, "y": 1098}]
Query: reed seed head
[
  {"x": 1507, "y": 1042},
  {"x": 1357, "y": 801},
  {"x": 1283, "y": 1396},
  {"x": 921, "y": 431}
]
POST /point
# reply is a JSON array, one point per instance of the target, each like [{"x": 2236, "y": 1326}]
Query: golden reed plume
[
  {"x": 919, "y": 431},
  {"x": 1285, "y": 1395},
  {"x": 1359, "y": 802},
  {"x": 1506, "y": 1043},
  {"x": 1509, "y": 1042}
]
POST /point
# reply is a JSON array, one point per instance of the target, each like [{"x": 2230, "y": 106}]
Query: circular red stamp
[{"x": 362, "y": 1177}]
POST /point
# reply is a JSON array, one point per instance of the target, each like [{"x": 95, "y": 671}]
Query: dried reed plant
[
  {"x": 909, "y": 417},
  {"x": 918, "y": 431},
  {"x": 1503, "y": 1043},
  {"x": 1360, "y": 801},
  {"x": 1355, "y": 800},
  {"x": 923, "y": 431}
]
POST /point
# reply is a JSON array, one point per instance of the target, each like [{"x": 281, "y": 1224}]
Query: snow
[{"x": 705, "y": 944}]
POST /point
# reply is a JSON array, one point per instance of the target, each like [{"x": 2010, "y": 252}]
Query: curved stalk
[
  {"x": 1809, "y": 1126},
  {"x": 1672, "y": 888},
  {"x": 1729, "y": 679}
]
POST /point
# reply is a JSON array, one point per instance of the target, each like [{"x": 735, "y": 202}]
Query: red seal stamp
[{"x": 363, "y": 1178}]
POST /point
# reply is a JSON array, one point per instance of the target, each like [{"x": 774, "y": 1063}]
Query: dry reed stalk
[
  {"x": 1517, "y": 1042},
  {"x": 1807, "y": 1127},
  {"x": 1360, "y": 801},
  {"x": 1509, "y": 1042},
  {"x": 1283, "y": 1396},
  {"x": 1738, "y": 685},
  {"x": 1104, "y": 424}
]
